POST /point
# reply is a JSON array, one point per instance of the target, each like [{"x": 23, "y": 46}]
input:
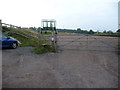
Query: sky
[{"x": 71, "y": 14}]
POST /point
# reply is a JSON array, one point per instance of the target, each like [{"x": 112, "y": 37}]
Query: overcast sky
[{"x": 85, "y": 14}]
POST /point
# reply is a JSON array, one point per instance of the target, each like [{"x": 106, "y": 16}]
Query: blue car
[{"x": 8, "y": 42}]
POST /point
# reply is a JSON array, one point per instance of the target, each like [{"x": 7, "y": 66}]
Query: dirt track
[{"x": 70, "y": 68}]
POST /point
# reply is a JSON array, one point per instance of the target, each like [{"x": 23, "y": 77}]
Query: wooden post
[
  {"x": 0, "y": 26},
  {"x": 119, "y": 15},
  {"x": 1, "y": 58}
]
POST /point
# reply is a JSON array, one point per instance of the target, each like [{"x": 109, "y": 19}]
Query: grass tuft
[{"x": 42, "y": 49}]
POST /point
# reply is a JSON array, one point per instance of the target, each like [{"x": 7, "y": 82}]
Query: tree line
[{"x": 78, "y": 30}]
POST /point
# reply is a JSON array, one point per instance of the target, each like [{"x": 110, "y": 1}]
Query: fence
[
  {"x": 0, "y": 26},
  {"x": 88, "y": 43},
  {"x": 13, "y": 26},
  {"x": 30, "y": 33},
  {"x": 19, "y": 30}
]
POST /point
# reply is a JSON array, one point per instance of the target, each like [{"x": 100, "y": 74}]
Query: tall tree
[
  {"x": 118, "y": 31},
  {"x": 91, "y": 32},
  {"x": 104, "y": 31},
  {"x": 110, "y": 32}
]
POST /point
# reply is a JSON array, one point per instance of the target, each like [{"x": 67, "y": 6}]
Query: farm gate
[{"x": 87, "y": 42}]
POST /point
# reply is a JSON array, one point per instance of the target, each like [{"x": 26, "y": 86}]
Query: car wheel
[{"x": 14, "y": 45}]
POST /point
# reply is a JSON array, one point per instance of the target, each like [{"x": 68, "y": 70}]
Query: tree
[
  {"x": 78, "y": 29},
  {"x": 91, "y": 32},
  {"x": 118, "y": 31},
  {"x": 39, "y": 28},
  {"x": 109, "y": 32},
  {"x": 33, "y": 28},
  {"x": 104, "y": 31},
  {"x": 98, "y": 32}
]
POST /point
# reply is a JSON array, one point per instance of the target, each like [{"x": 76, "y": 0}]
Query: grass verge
[
  {"x": 42, "y": 49},
  {"x": 29, "y": 41}
]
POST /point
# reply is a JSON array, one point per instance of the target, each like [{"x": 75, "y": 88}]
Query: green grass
[
  {"x": 27, "y": 40},
  {"x": 42, "y": 49},
  {"x": 46, "y": 32},
  {"x": 24, "y": 41}
]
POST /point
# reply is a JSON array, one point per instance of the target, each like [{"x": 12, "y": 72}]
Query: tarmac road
[{"x": 65, "y": 69}]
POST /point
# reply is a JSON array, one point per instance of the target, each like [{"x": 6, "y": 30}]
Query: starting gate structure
[{"x": 48, "y": 31}]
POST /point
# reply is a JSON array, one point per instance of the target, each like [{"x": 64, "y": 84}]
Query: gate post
[
  {"x": 0, "y": 26},
  {"x": 0, "y": 57},
  {"x": 50, "y": 25},
  {"x": 55, "y": 37},
  {"x": 39, "y": 37}
]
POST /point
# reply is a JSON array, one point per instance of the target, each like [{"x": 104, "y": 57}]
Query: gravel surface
[{"x": 69, "y": 68}]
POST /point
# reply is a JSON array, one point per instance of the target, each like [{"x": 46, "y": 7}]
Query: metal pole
[
  {"x": 39, "y": 34},
  {"x": 47, "y": 25},
  {"x": 52, "y": 34},
  {"x": 55, "y": 35}
]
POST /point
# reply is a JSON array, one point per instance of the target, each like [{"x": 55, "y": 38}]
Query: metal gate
[{"x": 87, "y": 42}]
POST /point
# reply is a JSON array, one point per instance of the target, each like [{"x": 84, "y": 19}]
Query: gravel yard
[{"x": 83, "y": 64}]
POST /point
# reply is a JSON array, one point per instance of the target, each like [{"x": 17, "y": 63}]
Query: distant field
[
  {"x": 109, "y": 35},
  {"x": 84, "y": 42}
]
